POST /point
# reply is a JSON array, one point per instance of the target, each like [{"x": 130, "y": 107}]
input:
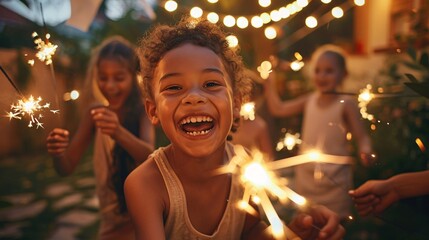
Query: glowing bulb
[
  {"x": 264, "y": 3},
  {"x": 196, "y": 12},
  {"x": 311, "y": 22},
  {"x": 170, "y": 6},
  {"x": 242, "y": 22},
  {"x": 229, "y": 21},
  {"x": 232, "y": 41},
  {"x": 359, "y": 2},
  {"x": 275, "y": 15},
  {"x": 325, "y": 1},
  {"x": 302, "y": 3},
  {"x": 284, "y": 12},
  {"x": 257, "y": 22},
  {"x": 266, "y": 18},
  {"x": 213, "y": 17},
  {"x": 270, "y": 32},
  {"x": 212, "y": 1},
  {"x": 337, "y": 12}
]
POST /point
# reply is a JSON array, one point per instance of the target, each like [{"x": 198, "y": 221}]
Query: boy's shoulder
[{"x": 146, "y": 173}]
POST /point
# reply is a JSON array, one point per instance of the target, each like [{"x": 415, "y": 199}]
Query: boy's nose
[{"x": 194, "y": 97}]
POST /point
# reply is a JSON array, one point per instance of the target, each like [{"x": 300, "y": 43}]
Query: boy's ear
[{"x": 151, "y": 111}]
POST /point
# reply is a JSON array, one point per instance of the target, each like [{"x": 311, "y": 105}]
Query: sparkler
[
  {"x": 29, "y": 107},
  {"x": 265, "y": 69},
  {"x": 289, "y": 141},
  {"x": 247, "y": 111},
  {"x": 260, "y": 183},
  {"x": 364, "y": 99},
  {"x": 46, "y": 48}
]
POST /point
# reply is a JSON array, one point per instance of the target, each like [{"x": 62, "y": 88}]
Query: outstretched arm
[
  {"x": 276, "y": 106},
  {"x": 374, "y": 196}
]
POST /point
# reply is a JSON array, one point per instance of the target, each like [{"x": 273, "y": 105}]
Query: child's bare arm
[
  {"x": 67, "y": 154},
  {"x": 144, "y": 196}
]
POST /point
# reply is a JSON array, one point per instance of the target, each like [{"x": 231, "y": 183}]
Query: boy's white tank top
[{"x": 178, "y": 225}]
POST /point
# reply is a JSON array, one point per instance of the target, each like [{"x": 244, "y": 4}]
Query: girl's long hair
[{"x": 118, "y": 49}]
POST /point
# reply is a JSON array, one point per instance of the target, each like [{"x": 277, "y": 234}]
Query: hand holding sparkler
[
  {"x": 317, "y": 223},
  {"x": 57, "y": 142}
]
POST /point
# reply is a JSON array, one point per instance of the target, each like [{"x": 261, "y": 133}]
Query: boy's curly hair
[{"x": 163, "y": 38}]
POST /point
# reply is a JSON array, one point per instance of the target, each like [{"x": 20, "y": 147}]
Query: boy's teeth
[
  {"x": 196, "y": 119},
  {"x": 198, "y": 132}
]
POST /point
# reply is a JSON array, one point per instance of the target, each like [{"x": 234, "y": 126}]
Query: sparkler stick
[
  {"x": 312, "y": 156},
  {"x": 376, "y": 95},
  {"x": 11, "y": 82}
]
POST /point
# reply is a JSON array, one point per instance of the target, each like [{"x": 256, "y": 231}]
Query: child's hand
[
  {"x": 57, "y": 142},
  {"x": 106, "y": 120},
  {"x": 373, "y": 197},
  {"x": 318, "y": 223}
]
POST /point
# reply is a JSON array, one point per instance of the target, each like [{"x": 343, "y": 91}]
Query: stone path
[{"x": 35, "y": 203}]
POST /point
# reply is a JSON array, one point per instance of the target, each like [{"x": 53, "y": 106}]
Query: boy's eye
[
  {"x": 212, "y": 84},
  {"x": 173, "y": 88}
]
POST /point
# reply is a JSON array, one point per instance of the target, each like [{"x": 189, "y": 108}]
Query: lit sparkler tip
[
  {"x": 46, "y": 49},
  {"x": 30, "y": 107},
  {"x": 247, "y": 111}
]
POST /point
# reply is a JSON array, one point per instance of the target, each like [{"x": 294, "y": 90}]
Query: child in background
[
  {"x": 123, "y": 135},
  {"x": 194, "y": 87},
  {"x": 253, "y": 133},
  {"x": 327, "y": 119}
]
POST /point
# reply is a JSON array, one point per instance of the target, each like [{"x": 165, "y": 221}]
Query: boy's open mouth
[{"x": 197, "y": 125}]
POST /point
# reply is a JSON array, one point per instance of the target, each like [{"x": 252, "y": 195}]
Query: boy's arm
[{"x": 145, "y": 196}]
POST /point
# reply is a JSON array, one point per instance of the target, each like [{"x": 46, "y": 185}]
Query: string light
[
  {"x": 274, "y": 15},
  {"x": 232, "y": 41},
  {"x": 170, "y": 6},
  {"x": 242, "y": 22},
  {"x": 337, "y": 12},
  {"x": 264, "y": 3},
  {"x": 270, "y": 32},
  {"x": 359, "y": 2},
  {"x": 229, "y": 21},
  {"x": 213, "y": 17},
  {"x": 196, "y": 12},
  {"x": 311, "y": 22}
]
